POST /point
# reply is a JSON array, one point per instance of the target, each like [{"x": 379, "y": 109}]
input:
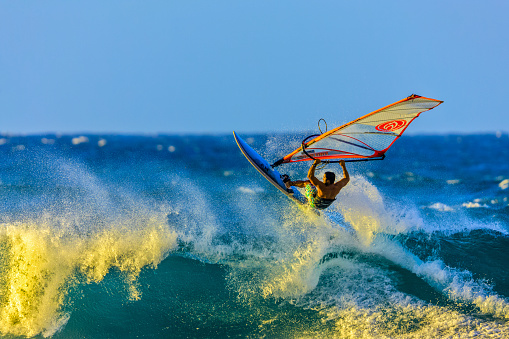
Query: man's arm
[
  {"x": 346, "y": 178},
  {"x": 311, "y": 173},
  {"x": 311, "y": 176}
]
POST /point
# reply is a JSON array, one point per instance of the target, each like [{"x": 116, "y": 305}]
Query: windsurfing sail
[{"x": 366, "y": 138}]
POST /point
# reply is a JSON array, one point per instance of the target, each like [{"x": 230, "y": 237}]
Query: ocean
[{"x": 177, "y": 236}]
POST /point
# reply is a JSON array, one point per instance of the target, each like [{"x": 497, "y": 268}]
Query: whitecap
[
  {"x": 248, "y": 190},
  {"x": 79, "y": 140},
  {"x": 453, "y": 181},
  {"x": 504, "y": 184},
  {"x": 474, "y": 205},
  {"x": 441, "y": 207},
  {"x": 47, "y": 141}
]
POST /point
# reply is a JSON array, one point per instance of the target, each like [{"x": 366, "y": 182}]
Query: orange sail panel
[{"x": 366, "y": 138}]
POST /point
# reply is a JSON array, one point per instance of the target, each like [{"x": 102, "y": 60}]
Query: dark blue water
[{"x": 116, "y": 236}]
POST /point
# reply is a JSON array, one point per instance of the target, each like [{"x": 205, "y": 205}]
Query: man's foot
[{"x": 285, "y": 178}]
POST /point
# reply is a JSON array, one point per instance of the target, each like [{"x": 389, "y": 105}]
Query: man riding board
[{"x": 321, "y": 195}]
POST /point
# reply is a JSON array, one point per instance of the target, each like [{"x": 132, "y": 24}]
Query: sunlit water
[{"x": 179, "y": 237}]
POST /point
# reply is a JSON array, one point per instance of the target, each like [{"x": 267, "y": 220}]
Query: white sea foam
[
  {"x": 250, "y": 190},
  {"x": 364, "y": 209},
  {"x": 363, "y": 302},
  {"x": 79, "y": 140},
  {"x": 504, "y": 184},
  {"x": 40, "y": 264},
  {"x": 456, "y": 284},
  {"x": 460, "y": 285},
  {"x": 440, "y": 207},
  {"x": 474, "y": 205}
]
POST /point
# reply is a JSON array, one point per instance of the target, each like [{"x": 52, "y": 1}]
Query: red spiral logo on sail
[{"x": 390, "y": 126}]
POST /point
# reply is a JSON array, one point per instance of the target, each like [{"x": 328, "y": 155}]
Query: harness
[{"x": 321, "y": 203}]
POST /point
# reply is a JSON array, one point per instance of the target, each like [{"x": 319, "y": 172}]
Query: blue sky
[{"x": 250, "y": 66}]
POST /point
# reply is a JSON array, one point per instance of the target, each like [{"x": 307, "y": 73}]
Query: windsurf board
[{"x": 272, "y": 176}]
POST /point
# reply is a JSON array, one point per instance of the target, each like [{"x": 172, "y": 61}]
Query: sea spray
[
  {"x": 39, "y": 266},
  {"x": 192, "y": 216},
  {"x": 461, "y": 286},
  {"x": 368, "y": 214},
  {"x": 83, "y": 229},
  {"x": 286, "y": 267}
]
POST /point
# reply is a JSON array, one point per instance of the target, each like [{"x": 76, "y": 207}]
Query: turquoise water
[{"x": 116, "y": 236}]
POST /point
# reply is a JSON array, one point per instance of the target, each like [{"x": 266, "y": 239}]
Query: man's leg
[
  {"x": 310, "y": 194},
  {"x": 289, "y": 183}
]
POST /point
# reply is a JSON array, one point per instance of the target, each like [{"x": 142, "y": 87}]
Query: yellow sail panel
[{"x": 367, "y": 137}]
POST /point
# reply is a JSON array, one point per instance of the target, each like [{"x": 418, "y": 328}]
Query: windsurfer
[{"x": 320, "y": 194}]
